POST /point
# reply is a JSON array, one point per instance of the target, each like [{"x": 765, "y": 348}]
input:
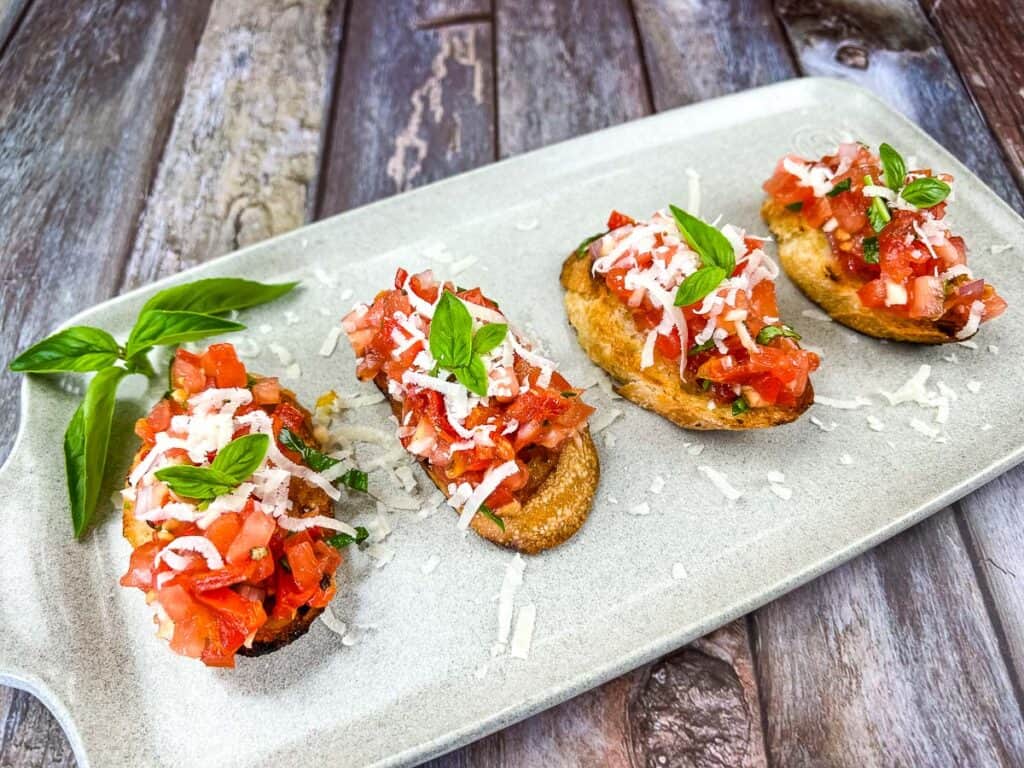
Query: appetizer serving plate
[{"x": 419, "y": 670}]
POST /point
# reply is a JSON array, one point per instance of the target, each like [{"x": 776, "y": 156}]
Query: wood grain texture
[
  {"x": 889, "y": 47},
  {"x": 983, "y": 38},
  {"x": 415, "y": 101},
  {"x": 10, "y": 12},
  {"x": 700, "y": 49},
  {"x": 242, "y": 160},
  {"x": 87, "y": 90},
  {"x": 85, "y": 103},
  {"x": 565, "y": 67},
  {"x": 914, "y": 673}
]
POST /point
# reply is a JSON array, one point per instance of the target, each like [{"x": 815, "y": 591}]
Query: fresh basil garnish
[
  {"x": 215, "y": 295},
  {"x": 870, "y": 246},
  {"x": 581, "y": 249},
  {"x": 698, "y": 285},
  {"x": 233, "y": 464},
  {"x": 355, "y": 479},
  {"x": 711, "y": 245},
  {"x": 705, "y": 385},
  {"x": 85, "y": 446},
  {"x": 182, "y": 313},
  {"x": 795, "y": 207},
  {"x": 925, "y": 192},
  {"x": 739, "y": 405},
  {"x": 160, "y": 327},
  {"x": 893, "y": 167},
  {"x": 878, "y": 214},
  {"x": 696, "y": 349},
  {"x": 486, "y": 512},
  {"x": 456, "y": 348},
  {"x": 342, "y": 540},
  {"x": 769, "y": 332},
  {"x": 842, "y": 186},
  {"x": 79, "y": 348}
]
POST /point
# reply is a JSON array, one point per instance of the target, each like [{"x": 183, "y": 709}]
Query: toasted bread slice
[
  {"x": 307, "y": 501},
  {"x": 608, "y": 334},
  {"x": 806, "y": 256},
  {"x": 553, "y": 505}
]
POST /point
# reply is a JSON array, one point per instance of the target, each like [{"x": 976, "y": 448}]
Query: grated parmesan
[{"x": 721, "y": 482}]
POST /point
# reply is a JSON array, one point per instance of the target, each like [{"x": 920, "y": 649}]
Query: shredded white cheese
[
  {"x": 721, "y": 482},
  {"x": 522, "y": 637}
]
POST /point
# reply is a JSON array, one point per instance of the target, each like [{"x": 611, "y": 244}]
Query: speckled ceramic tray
[{"x": 420, "y": 678}]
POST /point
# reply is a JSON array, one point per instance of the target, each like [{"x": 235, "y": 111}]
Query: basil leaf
[
  {"x": 486, "y": 512},
  {"x": 769, "y": 332},
  {"x": 79, "y": 348},
  {"x": 217, "y": 294},
  {"x": 160, "y": 326},
  {"x": 842, "y": 186},
  {"x": 85, "y": 446},
  {"x": 698, "y": 285},
  {"x": 739, "y": 405},
  {"x": 925, "y": 192},
  {"x": 342, "y": 540},
  {"x": 878, "y": 214},
  {"x": 696, "y": 349},
  {"x": 473, "y": 376},
  {"x": 870, "y": 245},
  {"x": 795, "y": 207},
  {"x": 356, "y": 479},
  {"x": 893, "y": 166},
  {"x": 313, "y": 458},
  {"x": 451, "y": 332},
  {"x": 712, "y": 246},
  {"x": 241, "y": 457},
  {"x": 489, "y": 337},
  {"x": 200, "y": 483},
  {"x": 581, "y": 249}
]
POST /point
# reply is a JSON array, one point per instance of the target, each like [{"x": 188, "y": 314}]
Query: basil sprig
[
  {"x": 925, "y": 192},
  {"x": 355, "y": 479},
  {"x": 456, "y": 348},
  {"x": 233, "y": 465},
  {"x": 717, "y": 257},
  {"x": 186, "y": 312}
]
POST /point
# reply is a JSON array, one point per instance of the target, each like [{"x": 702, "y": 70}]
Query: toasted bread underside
[
  {"x": 307, "y": 500},
  {"x": 806, "y": 256},
  {"x": 554, "y": 504},
  {"x": 608, "y": 334}
]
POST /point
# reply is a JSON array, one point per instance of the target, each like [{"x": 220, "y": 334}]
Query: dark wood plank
[
  {"x": 983, "y": 38},
  {"x": 87, "y": 90},
  {"x": 242, "y": 161},
  {"x": 565, "y": 68},
  {"x": 890, "y": 47},
  {"x": 86, "y": 94},
  {"x": 10, "y": 13},
  {"x": 415, "y": 101},
  {"x": 889, "y": 660},
  {"x": 706, "y": 48}
]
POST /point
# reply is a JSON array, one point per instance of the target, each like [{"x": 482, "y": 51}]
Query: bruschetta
[
  {"x": 234, "y": 539},
  {"x": 867, "y": 239},
  {"x": 683, "y": 316},
  {"x": 499, "y": 431}
]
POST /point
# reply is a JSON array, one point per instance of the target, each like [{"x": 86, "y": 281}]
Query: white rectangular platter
[{"x": 417, "y": 675}]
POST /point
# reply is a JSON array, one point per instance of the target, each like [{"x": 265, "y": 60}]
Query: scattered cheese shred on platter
[
  {"x": 721, "y": 482},
  {"x": 522, "y": 636}
]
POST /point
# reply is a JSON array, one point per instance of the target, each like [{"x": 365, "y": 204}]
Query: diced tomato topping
[
  {"x": 266, "y": 392},
  {"x": 616, "y": 220},
  {"x": 187, "y": 372},
  {"x": 221, "y": 362},
  {"x": 911, "y": 252}
]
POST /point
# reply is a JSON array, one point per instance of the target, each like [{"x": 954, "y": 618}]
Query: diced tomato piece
[
  {"x": 302, "y": 561},
  {"x": 872, "y": 293},
  {"x": 817, "y": 212},
  {"x": 223, "y": 530},
  {"x": 850, "y": 211},
  {"x": 256, "y": 531},
  {"x": 785, "y": 188},
  {"x": 995, "y": 304},
  {"x": 140, "y": 566},
  {"x": 266, "y": 391},
  {"x": 221, "y": 362},
  {"x": 187, "y": 372},
  {"x": 926, "y": 297},
  {"x": 617, "y": 219}
]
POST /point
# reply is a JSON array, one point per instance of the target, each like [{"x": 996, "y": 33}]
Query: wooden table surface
[{"x": 138, "y": 138}]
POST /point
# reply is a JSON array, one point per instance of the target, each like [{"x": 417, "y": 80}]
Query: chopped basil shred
[
  {"x": 842, "y": 186},
  {"x": 696, "y": 349},
  {"x": 769, "y": 332},
  {"x": 570, "y": 394},
  {"x": 870, "y": 246},
  {"x": 581, "y": 249},
  {"x": 355, "y": 479},
  {"x": 739, "y": 405},
  {"x": 705, "y": 384},
  {"x": 342, "y": 540},
  {"x": 796, "y": 207},
  {"x": 486, "y": 512}
]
